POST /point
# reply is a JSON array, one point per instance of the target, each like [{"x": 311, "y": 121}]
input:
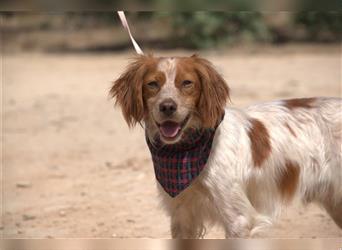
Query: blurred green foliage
[
  {"x": 321, "y": 25},
  {"x": 209, "y": 29},
  {"x": 205, "y": 29}
]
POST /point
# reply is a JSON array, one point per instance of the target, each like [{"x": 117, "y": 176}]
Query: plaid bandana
[{"x": 177, "y": 165}]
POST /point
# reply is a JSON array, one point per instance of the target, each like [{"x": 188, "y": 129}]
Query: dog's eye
[
  {"x": 153, "y": 85},
  {"x": 187, "y": 83}
]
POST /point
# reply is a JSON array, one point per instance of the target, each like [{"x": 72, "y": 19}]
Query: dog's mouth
[{"x": 170, "y": 130}]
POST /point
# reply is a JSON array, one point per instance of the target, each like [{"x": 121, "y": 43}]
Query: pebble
[
  {"x": 108, "y": 164},
  {"x": 57, "y": 176},
  {"x": 83, "y": 193},
  {"x": 20, "y": 231},
  {"x": 18, "y": 224},
  {"x": 11, "y": 102},
  {"x": 100, "y": 224},
  {"x": 54, "y": 167},
  {"x": 117, "y": 166},
  {"x": 28, "y": 217},
  {"x": 114, "y": 235},
  {"x": 130, "y": 221},
  {"x": 62, "y": 213},
  {"x": 23, "y": 184},
  {"x": 141, "y": 176},
  {"x": 1, "y": 227}
]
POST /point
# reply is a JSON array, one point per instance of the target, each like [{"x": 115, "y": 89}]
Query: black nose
[{"x": 168, "y": 107}]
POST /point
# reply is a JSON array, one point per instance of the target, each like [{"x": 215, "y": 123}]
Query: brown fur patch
[
  {"x": 299, "y": 103},
  {"x": 260, "y": 142},
  {"x": 289, "y": 180},
  {"x": 290, "y": 129},
  {"x": 127, "y": 89},
  {"x": 214, "y": 92}
]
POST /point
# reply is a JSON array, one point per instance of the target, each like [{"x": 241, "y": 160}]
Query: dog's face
[{"x": 171, "y": 95}]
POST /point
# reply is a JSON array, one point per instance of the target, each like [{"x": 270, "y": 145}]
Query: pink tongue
[{"x": 169, "y": 129}]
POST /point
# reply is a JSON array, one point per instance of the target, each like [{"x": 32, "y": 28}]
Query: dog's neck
[{"x": 177, "y": 165}]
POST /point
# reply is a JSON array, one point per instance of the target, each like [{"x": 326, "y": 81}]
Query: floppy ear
[
  {"x": 127, "y": 91},
  {"x": 214, "y": 92}
]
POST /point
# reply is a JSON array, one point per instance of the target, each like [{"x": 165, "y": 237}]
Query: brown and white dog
[{"x": 262, "y": 156}]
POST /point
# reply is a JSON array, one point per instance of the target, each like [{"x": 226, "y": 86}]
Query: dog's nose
[{"x": 168, "y": 107}]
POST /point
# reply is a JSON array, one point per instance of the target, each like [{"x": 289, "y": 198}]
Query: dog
[{"x": 261, "y": 157}]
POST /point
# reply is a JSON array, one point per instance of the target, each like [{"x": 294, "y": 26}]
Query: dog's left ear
[
  {"x": 214, "y": 92},
  {"x": 127, "y": 90}
]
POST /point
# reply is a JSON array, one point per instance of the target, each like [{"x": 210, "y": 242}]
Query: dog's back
[{"x": 305, "y": 152}]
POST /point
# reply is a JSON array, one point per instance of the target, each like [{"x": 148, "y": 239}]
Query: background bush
[
  {"x": 207, "y": 29},
  {"x": 194, "y": 30}
]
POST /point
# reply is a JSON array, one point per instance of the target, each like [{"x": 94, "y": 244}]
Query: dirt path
[{"x": 72, "y": 168}]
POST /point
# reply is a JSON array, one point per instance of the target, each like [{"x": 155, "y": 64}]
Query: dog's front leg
[{"x": 185, "y": 226}]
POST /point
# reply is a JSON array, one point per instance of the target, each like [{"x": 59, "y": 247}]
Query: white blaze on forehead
[{"x": 168, "y": 67}]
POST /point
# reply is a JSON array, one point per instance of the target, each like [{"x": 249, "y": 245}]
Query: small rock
[
  {"x": 49, "y": 236},
  {"x": 100, "y": 224},
  {"x": 11, "y": 102},
  {"x": 292, "y": 82},
  {"x": 62, "y": 213},
  {"x": 83, "y": 193},
  {"x": 23, "y": 184},
  {"x": 1, "y": 227},
  {"x": 28, "y": 217},
  {"x": 114, "y": 235},
  {"x": 20, "y": 232},
  {"x": 18, "y": 224},
  {"x": 54, "y": 167},
  {"x": 57, "y": 176},
  {"x": 141, "y": 176},
  {"x": 93, "y": 230},
  {"x": 130, "y": 221},
  {"x": 108, "y": 164}
]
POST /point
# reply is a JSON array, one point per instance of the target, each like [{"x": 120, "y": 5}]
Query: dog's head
[{"x": 170, "y": 95}]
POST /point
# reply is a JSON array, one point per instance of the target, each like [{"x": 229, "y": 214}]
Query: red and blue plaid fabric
[{"x": 177, "y": 165}]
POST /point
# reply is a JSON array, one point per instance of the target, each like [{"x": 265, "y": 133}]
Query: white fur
[{"x": 243, "y": 198}]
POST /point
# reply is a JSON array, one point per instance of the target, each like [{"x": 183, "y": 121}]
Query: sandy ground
[{"x": 72, "y": 168}]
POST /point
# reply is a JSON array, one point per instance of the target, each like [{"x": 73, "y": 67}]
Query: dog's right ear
[{"x": 127, "y": 90}]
